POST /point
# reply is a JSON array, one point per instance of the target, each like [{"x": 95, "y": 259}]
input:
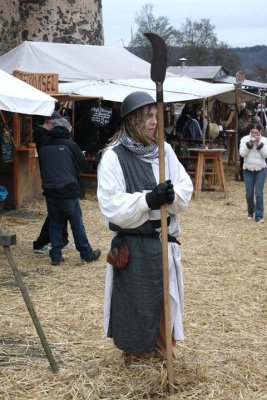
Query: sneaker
[
  {"x": 250, "y": 217},
  {"x": 95, "y": 256},
  {"x": 43, "y": 250},
  {"x": 70, "y": 245},
  {"x": 260, "y": 221},
  {"x": 57, "y": 262}
]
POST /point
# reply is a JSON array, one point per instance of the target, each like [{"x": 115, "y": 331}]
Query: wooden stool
[{"x": 209, "y": 174}]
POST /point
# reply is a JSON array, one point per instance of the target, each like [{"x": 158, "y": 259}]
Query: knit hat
[
  {"x": 55, "y": 115},
  {"x": 62, "y": 122}
]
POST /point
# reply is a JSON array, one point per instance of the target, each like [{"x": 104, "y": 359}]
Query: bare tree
[
  {"x": 224, "y": 55},
  {"x": 198, "y": 34},
  {"x": 197, "y": 39},
  {"x": 259, "y": 72},
  {"x": 146, "y": 22}
]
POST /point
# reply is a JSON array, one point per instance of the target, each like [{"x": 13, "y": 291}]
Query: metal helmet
[{"x": 134, "y": 101}]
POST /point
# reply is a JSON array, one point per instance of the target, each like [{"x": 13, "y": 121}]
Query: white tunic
[{"x": 131, "y": 210}]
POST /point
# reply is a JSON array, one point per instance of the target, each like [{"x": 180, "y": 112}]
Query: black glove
[
  {"x": 249, "y": 144},
  {"x": 260, "y": 146},
  {"x": 161, "y": 194},
  {"x": 170, "y": 191}
]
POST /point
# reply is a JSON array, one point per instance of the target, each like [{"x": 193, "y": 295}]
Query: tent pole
[
  {"x": 204, "y": 121},
  {"x": 16, "y": 131},
  {"x": 238, "y": 88},
  {"x": 73, "y": 118}
]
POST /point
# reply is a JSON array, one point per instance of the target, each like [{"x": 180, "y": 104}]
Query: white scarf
[{"x": 141, "y": 151}]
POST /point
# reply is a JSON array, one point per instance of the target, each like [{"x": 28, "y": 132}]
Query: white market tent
[
  {"x": 17, "y": 96},
  {"x": 107, "y": 72},
  {"x": 176, "y": 89},
  {"x": 117, "y": 90},
  {"x": 75, "y": 62}
]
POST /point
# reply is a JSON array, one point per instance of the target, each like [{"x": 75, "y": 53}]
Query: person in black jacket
[
  {"x": 60, "y": 161},
  {"x": 42, "y": 243}
]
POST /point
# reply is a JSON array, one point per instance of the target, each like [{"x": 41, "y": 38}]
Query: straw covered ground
[{"x": 224, "y": 354}]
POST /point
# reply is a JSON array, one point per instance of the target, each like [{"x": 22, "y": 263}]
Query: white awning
[
  {"x": 118, "y": 90},
  {"x": 104, "y": 71},
  {"x": 176, "y": 89},
  {"x": 18, "y": 96},
  {"x": 75, "y": 62}
]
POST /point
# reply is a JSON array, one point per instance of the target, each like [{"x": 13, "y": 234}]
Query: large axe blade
[
  {"x": 158, "y": 72},
  {"x": 158, "y": 62}
]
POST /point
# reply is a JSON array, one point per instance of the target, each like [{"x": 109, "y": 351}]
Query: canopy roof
[
  {"x": 105, "y": 71},
  {"x": 18, "y": 96},
  {"x": 213, "y": 73},
  {"x": 246, "y": 82},
  {"x": 209, "y": 72},
  {"x": 75, "y": 62},
  {"x": 176, "y": 89}
]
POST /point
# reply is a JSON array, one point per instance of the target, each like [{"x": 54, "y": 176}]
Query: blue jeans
[
  {"x": 254, "y": 181},
  {"x": 43, "y": 238},
  {"x": 59, "y": 210}
]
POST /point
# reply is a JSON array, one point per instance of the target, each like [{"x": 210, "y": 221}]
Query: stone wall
[
  {"x": 61, "y": 21},
  {"x": 9, "y": 25}
]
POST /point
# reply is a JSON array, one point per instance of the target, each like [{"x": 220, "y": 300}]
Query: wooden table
[{"x": 209, "y": 174}]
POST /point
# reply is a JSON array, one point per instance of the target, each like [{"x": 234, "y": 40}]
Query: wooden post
[
  {"x": 204, "y": 121},
  {"x": 16, "y": 130},
  {"x": 240, "y": 77},
  {"x": 73, "y": 119}
]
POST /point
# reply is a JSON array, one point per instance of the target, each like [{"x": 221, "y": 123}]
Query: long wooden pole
[
  {"x": 204, "y": 121},
  {"x": 164, "y": 234},
  {"x": 158, "y": 71},
  {"x": 238, "y": 88}
]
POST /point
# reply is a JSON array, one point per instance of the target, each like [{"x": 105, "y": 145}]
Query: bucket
[{"x": 3, "y": 196}]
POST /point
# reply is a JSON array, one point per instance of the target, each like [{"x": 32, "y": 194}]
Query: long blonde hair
[{"x": 133, "y": 125}]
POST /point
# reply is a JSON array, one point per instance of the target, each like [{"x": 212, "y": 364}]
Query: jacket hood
[{"x": 59, "y": 132}]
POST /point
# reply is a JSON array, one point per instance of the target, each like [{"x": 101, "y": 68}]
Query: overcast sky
[{"x": 238, "y": 23}]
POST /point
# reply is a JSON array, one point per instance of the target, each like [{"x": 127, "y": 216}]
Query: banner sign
[
  {"x": 101, "y": 115},
  {"x": 47, "y": 83}
]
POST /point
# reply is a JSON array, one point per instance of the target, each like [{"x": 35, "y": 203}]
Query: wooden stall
[
  {"x": 17, "y": 153},
  {"x": 19, "y": 166},
  {"x": 18, "y": 161}
]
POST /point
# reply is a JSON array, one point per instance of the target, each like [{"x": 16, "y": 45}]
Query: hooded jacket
[{"x": 61, "y": 160}]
